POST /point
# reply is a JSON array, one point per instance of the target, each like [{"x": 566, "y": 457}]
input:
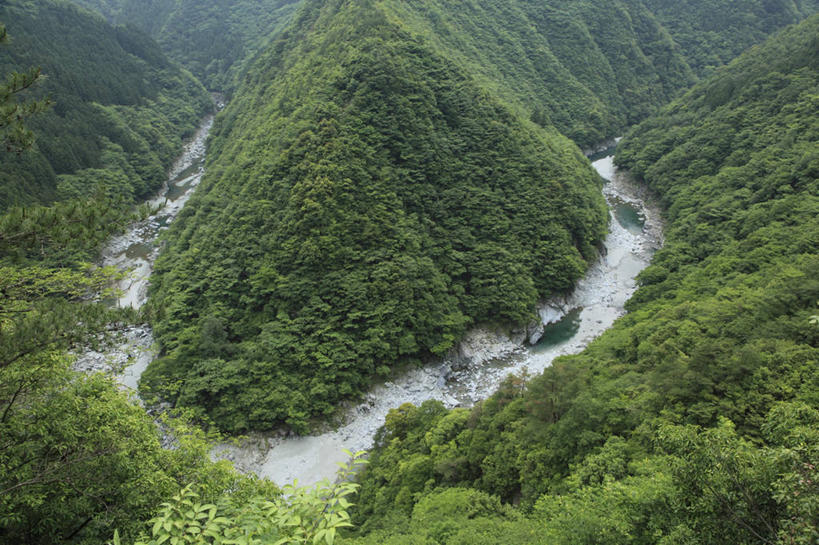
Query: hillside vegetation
[
  {"x": 376, "y": 187},
  {"x": 711, "y": 33},
  {"x": 694, "y": 419},
  {"x": 588, "y": 68},
  {"x": 389, "y": 174},
  {"x": 365, "y": 202},
  {"x": 214, "y": 39},
  {"x": 120, "y": 112}
]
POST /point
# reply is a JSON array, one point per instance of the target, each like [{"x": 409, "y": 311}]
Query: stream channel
[{"x": 473, "y": 370}]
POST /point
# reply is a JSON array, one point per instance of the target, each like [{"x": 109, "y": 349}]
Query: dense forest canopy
[
  {"x": 713, "y": 33},
  {"x": 376, "y": 187},
  {"x": 120, "y": 108},
  {"x": 214, "y": 39},
  {"x": 365, "y": 202},
  {"x": 695, "y": 416},
  {"x": 588, "y": 68}
]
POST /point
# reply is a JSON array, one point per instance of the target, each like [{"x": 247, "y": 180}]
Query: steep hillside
[
  {"x": 695, "y": 418},
  {"x": 365, "y": 205},
  {"x": 121, "y": 109},
  {"x": 365, "y": 202},
  {"x": 588, "y": 69},
  {"x": 711, "y": 33},
  {"x": 214, "y": 39}
]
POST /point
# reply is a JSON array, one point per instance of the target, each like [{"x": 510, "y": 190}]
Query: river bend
[{"x": 474, "y": 369}]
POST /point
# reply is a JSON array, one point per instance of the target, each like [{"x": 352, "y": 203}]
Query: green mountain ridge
[
  {"x": 590, "y": 69},
  {"x": 121, "y": 128},
  {"x": 694, "y": 418},
  {"x": 301, "y": 299},
  {"x": 365, "y": 201},
  {"x": 714, "y": 33},
  {"x": 382, "y": 140},
  {"x": 215, "y": 40}
]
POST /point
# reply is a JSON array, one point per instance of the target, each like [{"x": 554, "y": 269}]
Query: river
[
  {"x": 484, "y": 358},
  {"x": 472, "y": 372},
  {"x": 134, "y": 252}
]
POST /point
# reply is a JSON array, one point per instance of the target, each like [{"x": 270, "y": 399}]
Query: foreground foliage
[
  {"x": 693, "y": 420},
  {"x": 77, "y": 455},
  {"x": 301, "y": 515}
]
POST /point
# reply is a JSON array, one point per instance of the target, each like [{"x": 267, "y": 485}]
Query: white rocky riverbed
[
  {"x": 484, "y": 358},
  {"x": 472, "y": 371},
  {"x": 134, "y": 252}
]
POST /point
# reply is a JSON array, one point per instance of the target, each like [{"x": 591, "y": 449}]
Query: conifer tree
[{"x": 14, "y": 135}]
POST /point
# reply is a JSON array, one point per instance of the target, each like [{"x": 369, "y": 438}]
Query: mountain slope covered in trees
[
  {"x": 365, "y": 202},
  {"x": 694, "y": 419},
  {"x": 120, "y": 111},
  {"x": 589, "y": 68},
  {"x": 711, "y": 33},
  {"x": 411, "y": 115},
  {"x": 213, "y": 39}
]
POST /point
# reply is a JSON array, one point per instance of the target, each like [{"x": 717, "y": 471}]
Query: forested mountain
[
  {"x": 120, "y": 112},
  {"x": 694, "y": 419},
  {"x": 405, "y": 128},
  {"x": 589, "y": 68},
  {"x": 214, "y": 39},
  {"x": 387, "y": 175},
  {"x": 711, "y": 33},
  {"x": 365, "y": 202}
]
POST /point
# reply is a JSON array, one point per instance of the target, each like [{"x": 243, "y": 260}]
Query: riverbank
[
  {"x": 484, "y": 358},
  {"x": 135, "y": 252}
]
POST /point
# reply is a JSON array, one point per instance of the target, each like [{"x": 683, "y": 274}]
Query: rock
[
  {"x": 479, "y": 346},
  {"x": 519, "y": 336},
  {"x": 535, "y": 331}
]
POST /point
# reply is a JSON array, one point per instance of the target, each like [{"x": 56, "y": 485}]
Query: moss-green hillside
[
  {"x": 214, "y": 39},
  {"x": 376, "y": 186},
  {"x": 588, "y": 69},
  {"x": 712, "y": 32},
  {"x": 121, "y": 109},
  {"x": 366, "y": 201},
  {"x": 693, "y": 420},
  {"x": 591, "y": 69}
]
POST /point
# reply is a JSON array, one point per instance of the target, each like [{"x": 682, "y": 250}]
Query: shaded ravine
[
  {"x": 475, "y": 369},
  {"x": 134, "y": 253}
]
